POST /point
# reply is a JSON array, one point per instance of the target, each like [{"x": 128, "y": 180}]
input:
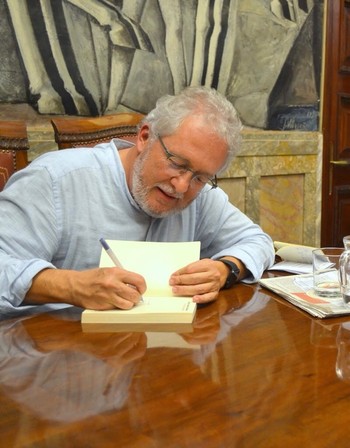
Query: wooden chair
[
  {"x": 13, "y": 149},
  {"x": 89, "y": 131}
]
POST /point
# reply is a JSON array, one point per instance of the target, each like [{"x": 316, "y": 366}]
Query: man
[{"x": 160, "y": 189}]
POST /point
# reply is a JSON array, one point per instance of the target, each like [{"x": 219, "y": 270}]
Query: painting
[{"x": 96, "y": 57}]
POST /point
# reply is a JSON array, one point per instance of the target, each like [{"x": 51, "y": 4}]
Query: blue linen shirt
[{"x": 54, "y": 211}]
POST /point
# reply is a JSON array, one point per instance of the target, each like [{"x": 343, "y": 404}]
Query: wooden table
[{"x": 253, "y": 372}]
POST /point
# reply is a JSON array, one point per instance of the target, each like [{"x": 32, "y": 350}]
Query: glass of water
[{"x": 326, "y": 262}]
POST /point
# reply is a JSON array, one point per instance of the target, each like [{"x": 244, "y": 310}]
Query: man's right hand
[{"x": 97, "y": 289}]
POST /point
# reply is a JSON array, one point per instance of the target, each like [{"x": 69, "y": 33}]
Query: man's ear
[{"x": 143, "y": 137}]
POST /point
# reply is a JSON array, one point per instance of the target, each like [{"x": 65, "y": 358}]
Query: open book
[
  {"x": 294, "y": 258},
  {"x": 298, "y": 290},
  {"x": 155, "y": 262}
]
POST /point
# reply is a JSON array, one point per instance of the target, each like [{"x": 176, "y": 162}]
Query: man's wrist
[
  {"x": 52, "y": 286},
  {"x": 233, "y": 272}
]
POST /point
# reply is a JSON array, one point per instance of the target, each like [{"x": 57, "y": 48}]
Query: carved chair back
[
  {"x": 13, "y": 149},
  {"x": 90, "y": 131}
]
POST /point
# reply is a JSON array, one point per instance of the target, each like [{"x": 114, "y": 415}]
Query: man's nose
[{"x": 182, "y": 182}]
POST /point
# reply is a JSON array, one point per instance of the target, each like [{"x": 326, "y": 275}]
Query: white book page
[{"x": 155, "y": 261}]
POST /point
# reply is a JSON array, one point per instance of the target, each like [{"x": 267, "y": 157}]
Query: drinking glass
[{"x": 326, "y": 271}]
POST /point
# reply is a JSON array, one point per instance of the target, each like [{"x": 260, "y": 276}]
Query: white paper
[{"x": 155, "y": 261}]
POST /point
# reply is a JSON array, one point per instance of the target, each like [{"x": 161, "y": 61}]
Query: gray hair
[{"x": 218, "y": 112}]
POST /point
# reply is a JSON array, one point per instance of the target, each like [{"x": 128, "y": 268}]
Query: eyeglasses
[{"x": 177, "y": 166}]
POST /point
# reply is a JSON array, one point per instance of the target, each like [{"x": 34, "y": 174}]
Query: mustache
[{"x": 167, "y": 189}]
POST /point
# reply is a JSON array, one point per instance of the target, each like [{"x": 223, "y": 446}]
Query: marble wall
[{"x": 276, "y": 181}]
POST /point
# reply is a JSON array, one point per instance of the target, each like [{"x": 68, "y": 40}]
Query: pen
[
  {"x": 114, "y": 258},
  {"x": 110, "y": 253}
]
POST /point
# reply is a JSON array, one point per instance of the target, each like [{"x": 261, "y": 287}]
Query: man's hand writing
[{"x": 98, "y": 289}]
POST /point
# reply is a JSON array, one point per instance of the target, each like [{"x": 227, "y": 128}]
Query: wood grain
[{"x": 259, "y": 373}]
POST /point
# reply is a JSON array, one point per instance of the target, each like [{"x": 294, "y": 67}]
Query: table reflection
[
  {"x": 251, "y": 366},
  {"x": 43, "y": 370},
  {"x": 75, "y": 374},
  {"x": 343, "y": 358}
]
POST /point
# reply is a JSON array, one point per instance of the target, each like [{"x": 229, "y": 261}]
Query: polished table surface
[{"x": 253, "y": 371}]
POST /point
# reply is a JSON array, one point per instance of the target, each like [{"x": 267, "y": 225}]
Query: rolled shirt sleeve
[
  {"x": 228, "y": 231},
  {"x": 28, "y": 235}
]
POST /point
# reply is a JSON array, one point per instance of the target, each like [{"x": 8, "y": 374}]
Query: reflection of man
[
  {"x": 44, "y": 369},
  {"x": 41, "y": 363},
  {"x": 56, "y": 373},
  {"x": 166, "y": 396},
  {"x": 163, "y": 188}
]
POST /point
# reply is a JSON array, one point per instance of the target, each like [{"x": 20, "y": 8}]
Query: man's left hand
[{"x": 201, "y": 279}]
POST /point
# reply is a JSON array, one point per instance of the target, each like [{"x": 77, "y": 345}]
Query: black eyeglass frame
[{"x": 213, "y": 181}]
